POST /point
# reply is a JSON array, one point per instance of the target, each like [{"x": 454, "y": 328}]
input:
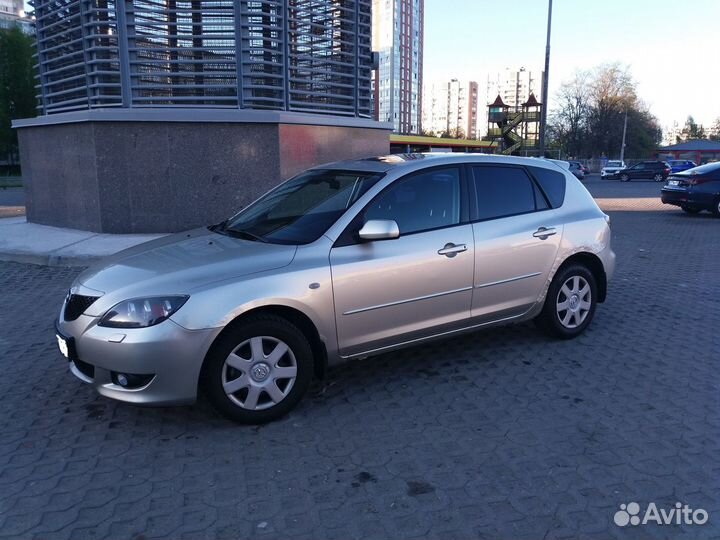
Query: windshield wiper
[
  {"x": 247, "y": 235},
  {"x": 218, "y": 227},
  {"x": 222, "y": 228}
]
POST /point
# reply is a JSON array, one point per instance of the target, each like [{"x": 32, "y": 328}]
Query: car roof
[{"x": 421, "y": 160}]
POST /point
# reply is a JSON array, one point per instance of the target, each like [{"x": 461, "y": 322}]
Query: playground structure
[{"x": 515, "y": 130}]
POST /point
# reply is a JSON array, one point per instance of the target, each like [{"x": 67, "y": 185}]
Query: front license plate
[{"x": 63, "y": 346}]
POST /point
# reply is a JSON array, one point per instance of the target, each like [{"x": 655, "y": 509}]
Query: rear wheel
[
  {"x": 624, "y": 178},
  {"x": 716, "y": 207},
  {"x": 658, "y": 177},
  {"x": 570, "y": 303},
  {"x": 258, "y": 371}
]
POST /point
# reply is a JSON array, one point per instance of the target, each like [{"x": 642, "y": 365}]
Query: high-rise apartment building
[
  {"x": 450, "y": 108},
  {"x": 13, "y": 8},
  {"x": 514, "y": 86},
  {"x": 12, "y": 13},
  {"x": 397, "y": 36}
]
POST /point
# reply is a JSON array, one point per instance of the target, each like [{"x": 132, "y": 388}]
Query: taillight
[{"x": 695, "y": 180}]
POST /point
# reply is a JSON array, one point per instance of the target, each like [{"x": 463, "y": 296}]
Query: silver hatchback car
[{"x": 341, "y": 262}]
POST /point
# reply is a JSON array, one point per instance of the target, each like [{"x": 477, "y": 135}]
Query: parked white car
[{"x": 611, "y": 169}]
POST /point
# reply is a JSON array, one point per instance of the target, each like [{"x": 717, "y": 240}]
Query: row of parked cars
[
  {"x": 654, "y": 169},
  {"x": 688, "y": 186}
]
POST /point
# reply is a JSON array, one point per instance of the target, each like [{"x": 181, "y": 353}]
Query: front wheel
[
  {"x": 624, "y": 178},
  {"x": 259, "y": 370},
  {"x": 570, "y": 303}
]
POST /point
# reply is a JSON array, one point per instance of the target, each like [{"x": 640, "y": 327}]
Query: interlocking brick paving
[{"x": 498, "y": 434}]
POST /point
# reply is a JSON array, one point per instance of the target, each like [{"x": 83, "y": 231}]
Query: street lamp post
[
  {"x": 622, "y": 148},
  {"x": 546, "y": 76}
]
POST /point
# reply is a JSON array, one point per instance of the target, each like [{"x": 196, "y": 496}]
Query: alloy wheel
[
  {"x": 658, "y": 177},
  {"x": 259, "y": 373},
  {"x": 573, "y": 302}
]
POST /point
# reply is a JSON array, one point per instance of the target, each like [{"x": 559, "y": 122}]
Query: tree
[
  {"x": 569, "y": 123},
  {"x": 691, "y": 130},
  {"x": 590, "y": 115},
  {"x": 17, "y": 85},
  {"x": 714, "y": 131},
  {"x": 612, "y": 92}
]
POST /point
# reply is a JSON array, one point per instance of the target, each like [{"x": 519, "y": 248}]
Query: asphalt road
[
  {"x": 502, "y": 434},
  {"x": 12, "y": 202}
]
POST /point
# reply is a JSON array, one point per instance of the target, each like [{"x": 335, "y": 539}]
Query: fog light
[{"x": 131, "y": 381}]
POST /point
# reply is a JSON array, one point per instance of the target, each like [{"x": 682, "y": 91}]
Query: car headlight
[{"x": 142, "y": 312}]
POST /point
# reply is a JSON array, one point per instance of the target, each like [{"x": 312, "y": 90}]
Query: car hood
[{"x": 179, "y": 263}]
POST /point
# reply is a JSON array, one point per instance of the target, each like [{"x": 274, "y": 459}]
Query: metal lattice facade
[{"x": 294, "y": 55}]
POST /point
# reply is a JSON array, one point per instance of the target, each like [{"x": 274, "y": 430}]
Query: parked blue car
[{"x": 678, "y": 165}]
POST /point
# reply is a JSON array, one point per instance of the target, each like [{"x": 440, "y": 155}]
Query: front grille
[{"x": 77, "y": 304}]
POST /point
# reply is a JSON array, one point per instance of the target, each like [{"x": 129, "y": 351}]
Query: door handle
[
  {"x": 544, "y": 232},
  {"x": 450, "y": 249}
]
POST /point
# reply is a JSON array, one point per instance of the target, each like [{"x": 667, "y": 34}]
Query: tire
[
  {"x": 571, "y": 321},
  {"x": 658, "y": 177},
  {"x": 690, "y": 209},
  {"x": 624, "y": 178},
  {"x": 244, "y": 372},
  {"x": 716, "y": 207}
]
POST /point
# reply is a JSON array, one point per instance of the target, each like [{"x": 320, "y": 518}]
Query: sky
[{"x": 672, "y": 47}]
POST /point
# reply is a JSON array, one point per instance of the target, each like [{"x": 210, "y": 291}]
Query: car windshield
[
  {"x": 300, "y": 210},
  {"x": 614, "y": 164}
]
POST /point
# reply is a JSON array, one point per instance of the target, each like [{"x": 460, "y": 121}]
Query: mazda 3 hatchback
[{"x": 341, "y": 262}]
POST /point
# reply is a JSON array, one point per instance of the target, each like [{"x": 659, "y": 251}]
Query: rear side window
[
  {"x": 552, "y": 183},
  {"x": 505, "y": 191}
]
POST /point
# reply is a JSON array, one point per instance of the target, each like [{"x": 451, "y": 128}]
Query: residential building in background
[
  {"x": 397, "y": 36},
  {"x": 13, "y": 8},
  {"x": 514, "y": 87},
  {"x": 672, "y": 134},
  {"x": 12, "y": 13},
  {"x": 450, "y": 108}
]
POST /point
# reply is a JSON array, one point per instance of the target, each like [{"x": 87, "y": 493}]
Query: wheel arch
[
  {"x": 593, "y": 263},
  {"x": 294, "y": 316}
]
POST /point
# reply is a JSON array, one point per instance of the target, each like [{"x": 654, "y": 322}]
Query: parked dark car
[
  {"x": 654, "y": 170},
  {"x": 679, "y": 165},
  {"x": 695, "y": 189}
]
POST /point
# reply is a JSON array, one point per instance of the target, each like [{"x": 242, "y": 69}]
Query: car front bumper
[{"x": 167, "y": 355}]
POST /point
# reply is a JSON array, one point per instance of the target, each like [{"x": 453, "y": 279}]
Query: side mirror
[{"x": 379, "y": 229}]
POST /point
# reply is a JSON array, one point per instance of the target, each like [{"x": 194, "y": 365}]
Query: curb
[{"x": 50, "y": 259}]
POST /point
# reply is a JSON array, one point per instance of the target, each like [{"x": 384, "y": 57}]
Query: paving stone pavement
[{"x": 499, "y": 434}]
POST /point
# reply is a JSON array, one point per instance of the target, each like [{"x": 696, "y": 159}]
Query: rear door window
[{"x": 505, "y": 191}]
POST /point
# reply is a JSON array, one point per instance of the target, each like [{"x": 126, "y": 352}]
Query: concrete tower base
[{"x": 152, "y": 170}]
